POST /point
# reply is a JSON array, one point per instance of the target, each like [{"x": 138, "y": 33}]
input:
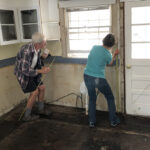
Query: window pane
[
  {"x": 90, "y": 28},
  {"x": 102, "y": 35},
  {"x": 73, "y": 36},
  {"x": 6, "y": 17},
  {"x": 83, "y": 44},
  {"x": 83, "y": 15},
  {"x": 93, "y": 23},
  {"x": 105, "y": 22},
  {"x": 92, "y": 35},
  {"x": 140, "y": 15},
  {"x": 74, "y": 16},
  {"x": 106, "y": 29},
  {"x": 28, "y": 30},
  {"x": 141, "y": 51},
  {"x": 83, "y": 36},
  {"x": 73, "y": 30},
  {"x": 141, "y": 33},
  {"x": 73, "y": 24},
  {"x": 9, "y": 33},
  {"x": 83, "y": 23},
  {"x": 29, "y": 16}
]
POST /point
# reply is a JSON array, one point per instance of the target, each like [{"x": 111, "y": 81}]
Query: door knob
[{"x": 128, "y": 66}]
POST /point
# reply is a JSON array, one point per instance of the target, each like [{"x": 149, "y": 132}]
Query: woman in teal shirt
[{"x": 94, "y": 77}]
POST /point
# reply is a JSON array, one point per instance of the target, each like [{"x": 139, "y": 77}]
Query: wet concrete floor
[{"x": 67, "y": 129}]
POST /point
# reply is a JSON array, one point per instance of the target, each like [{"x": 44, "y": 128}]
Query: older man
[{"x": 28, "y": 70}]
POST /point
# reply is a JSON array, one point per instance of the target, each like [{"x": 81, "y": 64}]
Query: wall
[
  {"x": 10, "y": 92},
  {"x": 66, "y": 78},
  {"x": 63, "y": 78}
]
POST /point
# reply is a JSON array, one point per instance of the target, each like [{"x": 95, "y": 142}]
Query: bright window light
[
  {"x": 140, "y": 44},
  {"x": 86, "y": 29}
]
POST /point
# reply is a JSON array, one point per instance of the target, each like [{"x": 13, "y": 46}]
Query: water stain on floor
[{"x": 67, "y": 129}]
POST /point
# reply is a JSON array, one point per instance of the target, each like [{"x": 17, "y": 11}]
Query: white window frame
[
  {"x": 2, "y": 42},
  {"x": 20, "y": 21},
  {"x": 77, "y": 52}
]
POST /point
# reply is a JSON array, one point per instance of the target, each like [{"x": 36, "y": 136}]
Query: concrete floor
[{"x": 67, "y": 129}]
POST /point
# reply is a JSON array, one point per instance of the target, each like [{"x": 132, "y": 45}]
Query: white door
[{"x": 137, "y": 51}]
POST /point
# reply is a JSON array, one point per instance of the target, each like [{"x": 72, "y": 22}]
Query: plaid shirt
[{"x": 23, "y": 70}]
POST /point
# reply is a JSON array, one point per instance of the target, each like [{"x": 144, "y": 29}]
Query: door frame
[{"x": 128, "y": 61}]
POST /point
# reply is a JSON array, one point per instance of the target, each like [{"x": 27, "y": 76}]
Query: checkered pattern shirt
[{"x": 23, "y": 69}]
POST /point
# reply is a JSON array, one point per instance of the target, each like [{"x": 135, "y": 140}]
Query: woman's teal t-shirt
[{"x": 98, "y": 58}]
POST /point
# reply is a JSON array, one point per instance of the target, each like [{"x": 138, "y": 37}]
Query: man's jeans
[{"x": 101, "y": 84}]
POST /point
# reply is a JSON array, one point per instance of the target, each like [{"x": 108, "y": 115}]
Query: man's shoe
[
  {"x": 115, "y": 122},
  {"x": 91, "y": 124},
  {"x": 30, "y": 118}
]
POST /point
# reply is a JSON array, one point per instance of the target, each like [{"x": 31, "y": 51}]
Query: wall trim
[
  {"x": 7, "y": 62},
  {"x": 58, "y": 59}
]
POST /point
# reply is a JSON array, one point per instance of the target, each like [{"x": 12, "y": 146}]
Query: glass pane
[
  {"x": 9, "y": 33},
  {"x": 73, "y": 36},
  {"x": 83, "y": 23},
  {"x": 93, "y": 23},
  {"x": 74, "y": 16},
  {"x": 29, "y": 16},
  {"x": 73, "y": 24},
  {"x": 141, "y": 33},
  {"x": 73, "y": 30},
  {"x": 83, "y": 44},
  {"x": 6, "y": 17},
  {"x": 88, "y": 28},
  {"x": 83, "y": 15},
  {"x": 104, "y": 29},
  {"x": 105, "y": 14},
  {"x": 77, "y": 45},
  {"x": 141, "y": 51},
  {"x": 92, "y": 35},
  {"x": 92, "y": 30},
  {"x": 105, "y": 22},
  {"x": 141, "y": 15},
  {"x": 83, "y": 36},
  {"x": 102, "y": 35},
  {"x": 28, "y": 30},
  {"x": 93, "y": 15}
]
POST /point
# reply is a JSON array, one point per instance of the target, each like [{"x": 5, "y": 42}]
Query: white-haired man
[{"x": 28, "y": 70}]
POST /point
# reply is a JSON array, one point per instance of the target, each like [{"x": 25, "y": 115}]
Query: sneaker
[
  {"x": 115, "y": 122},
  {"x": 30, "y": 118},
  {"x": 91, "y": 124}
]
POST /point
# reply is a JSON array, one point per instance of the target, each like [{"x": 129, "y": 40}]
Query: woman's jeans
[{"x": 101, "y": 84}]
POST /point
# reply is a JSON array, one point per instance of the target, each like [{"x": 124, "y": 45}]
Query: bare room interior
[{"x": 71, "y": 29}]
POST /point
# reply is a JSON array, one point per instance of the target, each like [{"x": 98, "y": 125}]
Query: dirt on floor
[{"x": 67, "y": 129}]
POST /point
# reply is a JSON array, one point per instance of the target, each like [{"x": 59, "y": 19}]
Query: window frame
[
  {"x": 21, "y": 24},
  {"x": 16, "y": 24},
  {"x": 76, "y": 52}
]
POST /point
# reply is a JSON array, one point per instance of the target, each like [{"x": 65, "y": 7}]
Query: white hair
[{"x": 38, "y": 37}]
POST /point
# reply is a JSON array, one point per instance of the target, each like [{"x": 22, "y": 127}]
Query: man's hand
[{"x": 44, "y": 70}]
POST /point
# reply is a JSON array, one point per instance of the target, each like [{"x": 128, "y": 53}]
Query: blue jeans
[{"x": 101, "y": 84}]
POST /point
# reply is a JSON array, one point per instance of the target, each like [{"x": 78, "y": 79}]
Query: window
[
  {"x": 140, "y": 43},
  {"x": 8, "y": 27},
  {"x": 29, "y": 23},
  {"x": 87, "y": 28}
]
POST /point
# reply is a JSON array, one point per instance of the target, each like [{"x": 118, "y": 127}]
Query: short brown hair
[{"x": 109, "y": 40}]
